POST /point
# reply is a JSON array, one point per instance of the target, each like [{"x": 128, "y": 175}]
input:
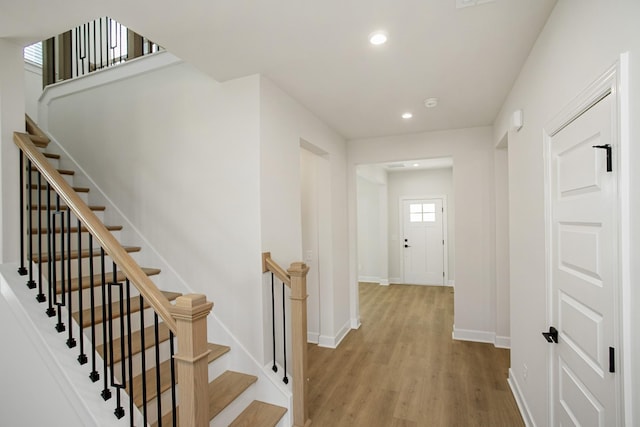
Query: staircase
[{"x": 116, "y": 326}]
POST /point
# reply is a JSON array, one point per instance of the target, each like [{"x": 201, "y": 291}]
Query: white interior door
[
  {"x": 584, "y": 271},
  {"x": 423, "y": 242}
]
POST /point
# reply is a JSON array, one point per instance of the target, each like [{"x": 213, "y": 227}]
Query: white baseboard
[
  {"x": 451, "y": 283},
  {"x": 502, "y": 342},
  {"x": 369, "y": 279},
  {"x": 475, "y": 336},
  {"x": 355, "y": 323},
  {"x": 520, "y": 401},
  {"x": 383, "y": 282},
  {"x": 395, "y": 280},
  {"x": 313, "y": 337},
  {"x": 334, "y": 342}
]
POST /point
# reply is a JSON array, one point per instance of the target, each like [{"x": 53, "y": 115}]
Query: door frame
[
  {"x": 445, "y": 228},
  {"x": 614, "y": 83}
]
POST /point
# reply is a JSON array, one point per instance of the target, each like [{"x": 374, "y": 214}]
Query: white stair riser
[
  {"x": 74, "y": 267},
  {"x": 59, "y": 217},
  {"x": 34, "y": 178},
  {"x": 60, "y": 239},
  {"x": 43, "y": 196}
]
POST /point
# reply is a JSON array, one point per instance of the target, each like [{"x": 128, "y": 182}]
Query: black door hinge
[{"x": 612, "y": 359}]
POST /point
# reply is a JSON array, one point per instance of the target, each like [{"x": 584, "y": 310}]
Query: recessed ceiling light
[
  {"x": 415, "y": 165},
  {"x": 378, "y": 37},
  {"x": 407, "y": 115},
  {"x": 431, "y": 102}
]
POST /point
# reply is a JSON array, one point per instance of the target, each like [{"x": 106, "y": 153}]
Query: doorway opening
[{"x": 386, "y": 194}]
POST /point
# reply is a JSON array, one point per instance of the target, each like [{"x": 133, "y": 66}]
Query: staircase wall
[
  {"x": 12, "y": 107},
  {"x": 178, "y": 154}
]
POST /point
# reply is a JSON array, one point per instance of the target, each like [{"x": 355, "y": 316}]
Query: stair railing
[
  {"x": 90, "y": 47},
  {"x": 186, "y": 320},
  {"x": 295, "y": 278}
]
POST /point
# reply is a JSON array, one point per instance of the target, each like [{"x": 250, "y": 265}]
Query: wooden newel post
[
  {"x": 190, "y": 312},
  {"x": 298, "y": 274}
]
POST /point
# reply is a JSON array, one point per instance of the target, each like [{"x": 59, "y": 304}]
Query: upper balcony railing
[{"x": 90, "y": 47}]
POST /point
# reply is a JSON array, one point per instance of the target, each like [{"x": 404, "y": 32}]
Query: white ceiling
[{"x": 317, "y": 51}]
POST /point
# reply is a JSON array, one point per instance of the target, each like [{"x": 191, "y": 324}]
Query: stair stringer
[{"x": 267, "y": 388}]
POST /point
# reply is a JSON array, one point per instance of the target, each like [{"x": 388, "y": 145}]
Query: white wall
[
  {"x": 32, "y": 88},
  {"x": 283, "y": 124},
  {"x": 12, "y": 107},
  {"x": 472, "y": 152},
  {"x": 581, "y": 39},
  {"x": 178, "y": 153},
  {"x": 369, "y": 229},
  {"x": 501, "y": 179},
  {"x": 430, "y": 182}
]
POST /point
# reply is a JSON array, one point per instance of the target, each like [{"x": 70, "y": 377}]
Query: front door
[
  {"x": 423, "y": 242},
  {"x": 584, "y": 283}
]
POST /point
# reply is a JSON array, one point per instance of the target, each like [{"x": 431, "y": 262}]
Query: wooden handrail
[
  {"x": 270, "y": 265},
  {"x": 33, "y": 129},
  {"x": 296, "y": 278},
  {"x": 112, "y": 247}
]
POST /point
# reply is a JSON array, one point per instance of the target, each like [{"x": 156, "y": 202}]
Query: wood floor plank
[{"x": 403, "y": 369}]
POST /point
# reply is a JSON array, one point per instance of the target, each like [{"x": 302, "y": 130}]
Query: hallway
[{"x": 401, "y": 368}]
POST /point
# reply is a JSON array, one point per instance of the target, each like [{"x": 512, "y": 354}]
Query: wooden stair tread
[
  {"x": 44, "y": 187},
  {"x": 86, "y": 253},
  {"x": 136, "y": 346},
  {"x": 51, "y": 155},
  {"x": 215, "y": 351},
  {"x": 222, "y": 391},
  {"x": 115, "y": 308},
  {"x": 226, "y": 388},
  {"x": 86, "y": 280},
  {"x": 259, "y": 414},
  {"x": 84, "y": 229},
  {"x": 60, "y": 171},
  {"x": 65, "y": 207}
]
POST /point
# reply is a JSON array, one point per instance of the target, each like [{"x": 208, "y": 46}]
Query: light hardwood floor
[{"x": 402, "y": 368}]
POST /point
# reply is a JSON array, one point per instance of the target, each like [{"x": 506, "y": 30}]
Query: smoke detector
[{"x": 431, "y": 102}]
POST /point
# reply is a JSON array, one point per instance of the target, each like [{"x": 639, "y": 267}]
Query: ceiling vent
[{"x": 468, "y": 3}]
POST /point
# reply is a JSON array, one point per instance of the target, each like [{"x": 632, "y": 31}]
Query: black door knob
[{"x": 552, "y": 335}]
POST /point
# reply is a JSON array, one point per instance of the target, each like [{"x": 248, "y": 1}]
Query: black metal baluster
[
  {"x": 285, "y": 379},
  {"x": 51, "y": 263},
  {"x": 172, "y": 363},
  {"x": 63, "y": 295},
  {"x": 129, "y": 351},
  {"x": 31, "y": 284},
  {"x": 106, "y": 356},
  {"x": 82, "y": 357},
  {"x": 119, "y": 411},
  {"x": 95, "y": 54},
  {"x": 40, "y": 297},
  {"x": 157, "y": 350},
  {"x": 101, "y": 58},
  {"x": 273, "y": 324},
  {"x": 71, "y": 342},
  {"x": 87, "y": 52},
  {"x": 22, "y": 270},
  {"x": 94, "y": 375},
  {"x": 143, "y": 361}
]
